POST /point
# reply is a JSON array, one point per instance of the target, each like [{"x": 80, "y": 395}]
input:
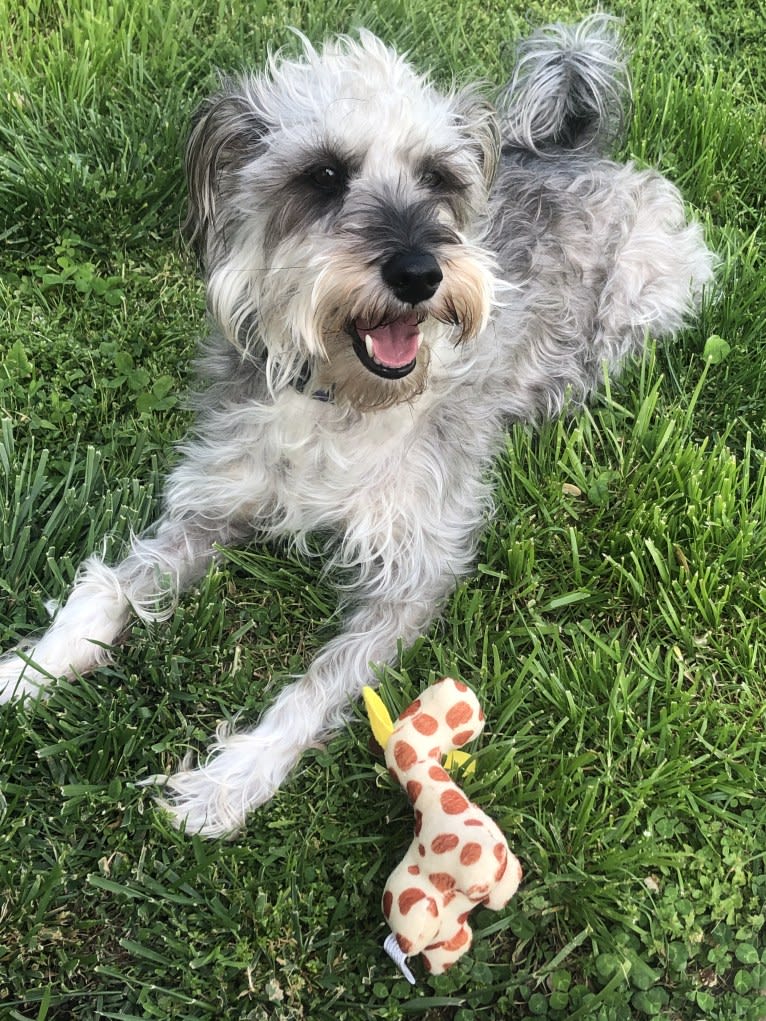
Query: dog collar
[{"x": 302, "y": 381}]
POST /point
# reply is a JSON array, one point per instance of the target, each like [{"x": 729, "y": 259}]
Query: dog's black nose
[{"x": 413, "y": 276}]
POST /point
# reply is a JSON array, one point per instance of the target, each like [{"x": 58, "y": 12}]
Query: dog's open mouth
[{"x": 388, "y": 349}]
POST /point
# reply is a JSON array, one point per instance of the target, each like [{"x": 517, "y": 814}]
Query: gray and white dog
[{"x": 394, "y": 273}]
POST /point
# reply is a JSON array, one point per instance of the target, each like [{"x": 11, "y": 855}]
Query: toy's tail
[{"x": 569, "y": 91}]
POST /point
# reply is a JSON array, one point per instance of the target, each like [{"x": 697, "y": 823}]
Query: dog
[{"x": 394, "y": 274}]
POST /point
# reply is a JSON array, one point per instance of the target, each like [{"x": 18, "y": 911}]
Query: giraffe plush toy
[{"x": 458, "y": 857}]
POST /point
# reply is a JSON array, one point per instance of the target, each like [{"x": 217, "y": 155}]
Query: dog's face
[{"x": 336, "y": 202}]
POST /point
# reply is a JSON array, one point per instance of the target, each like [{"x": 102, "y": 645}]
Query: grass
[{"x": 614, "y": 628}]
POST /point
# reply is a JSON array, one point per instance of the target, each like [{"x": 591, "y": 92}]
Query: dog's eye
[
  {"x": 327, "y": 179},
  {"x": 432, "y": 179},
  {"x": 441, "y": 179}
]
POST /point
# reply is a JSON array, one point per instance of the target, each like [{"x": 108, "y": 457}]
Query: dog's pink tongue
[{"x": 395, "y": 344}]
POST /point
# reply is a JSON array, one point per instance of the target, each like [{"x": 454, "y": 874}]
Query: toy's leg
[
  {"x": 410, "y": 905},
  {"x": 509, "y": 873}
]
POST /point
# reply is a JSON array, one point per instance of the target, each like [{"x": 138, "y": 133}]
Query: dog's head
[{"x": 336, "y": 202}]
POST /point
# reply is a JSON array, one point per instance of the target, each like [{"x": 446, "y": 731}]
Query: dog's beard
[
  {"x": 318, "y": 303},
  {"x": 362, "y": 380},
  {"x": 371, "y": 352}
]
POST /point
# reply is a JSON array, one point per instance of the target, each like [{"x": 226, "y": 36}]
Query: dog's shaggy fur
[{"x": 394, "y": 274}]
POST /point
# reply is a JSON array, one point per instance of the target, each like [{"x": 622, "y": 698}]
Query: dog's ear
[
  {"x": 226, "y": 131},
  {"x": 477, "y": 117}
]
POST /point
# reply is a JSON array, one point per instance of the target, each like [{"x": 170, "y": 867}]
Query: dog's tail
[{"x": 570, "y": 89}]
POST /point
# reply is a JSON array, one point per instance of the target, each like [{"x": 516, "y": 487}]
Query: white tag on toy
[{"x": 398, "y": 956}]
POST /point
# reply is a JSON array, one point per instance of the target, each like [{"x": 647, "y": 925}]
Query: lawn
[{"x": 615, "y": 629}]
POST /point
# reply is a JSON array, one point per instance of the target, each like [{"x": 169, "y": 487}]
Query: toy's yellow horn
[{"x": 380, "y": 719}]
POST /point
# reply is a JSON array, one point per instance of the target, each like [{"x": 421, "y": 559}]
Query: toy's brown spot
[
  {"x": 425, "y": 724},
  {"x": 422, "y": 850},
  {"x": 414, "y": 870},
  {"x": 435, "y": 753},
  {"x": 408, "y": 898},
  {"x": 473, "y": 822},
  {"x": 460, "y": 686},
  {"x": 411, "y": 709},
  {"x": 432, "y": 908},
  {"x": 458, "y": 940},
  {"x": 388, "y": 903},
  {"x": 438, "y": 774},
  {"x": 453, "y": 802},
  {"x": 481, "y": 715},
  {"x": 414, "y": 787},
  {"x": 478, "y": 891},
  {"x": 501, "y": 853},
  {"x": 404, "y": 943},
  {"x": 443, "y": 881},
  {"x": 463, "y": 917},
  {"x": 470, "y": 854},
  {"x": 405, "y": 755},
  {"x": 418, "y": 821},
  {"x": 444, "y": 842},
  {"x": 462, "y": 737},
  {"x": 461, "y": 712}
]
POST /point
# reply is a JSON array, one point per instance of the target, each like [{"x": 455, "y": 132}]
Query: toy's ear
[{"x": 380, "y": 720}]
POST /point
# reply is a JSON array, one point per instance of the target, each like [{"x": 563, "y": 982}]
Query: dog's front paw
[
  {"x": 19, "y": 678},
  {"x": 241, "y": 773},
  {"x": 205, "y": 802}
]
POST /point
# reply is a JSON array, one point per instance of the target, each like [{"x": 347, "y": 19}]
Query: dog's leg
[
  {"x": 243, "y": 770},
  {"x": 102, "y": 602}
]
